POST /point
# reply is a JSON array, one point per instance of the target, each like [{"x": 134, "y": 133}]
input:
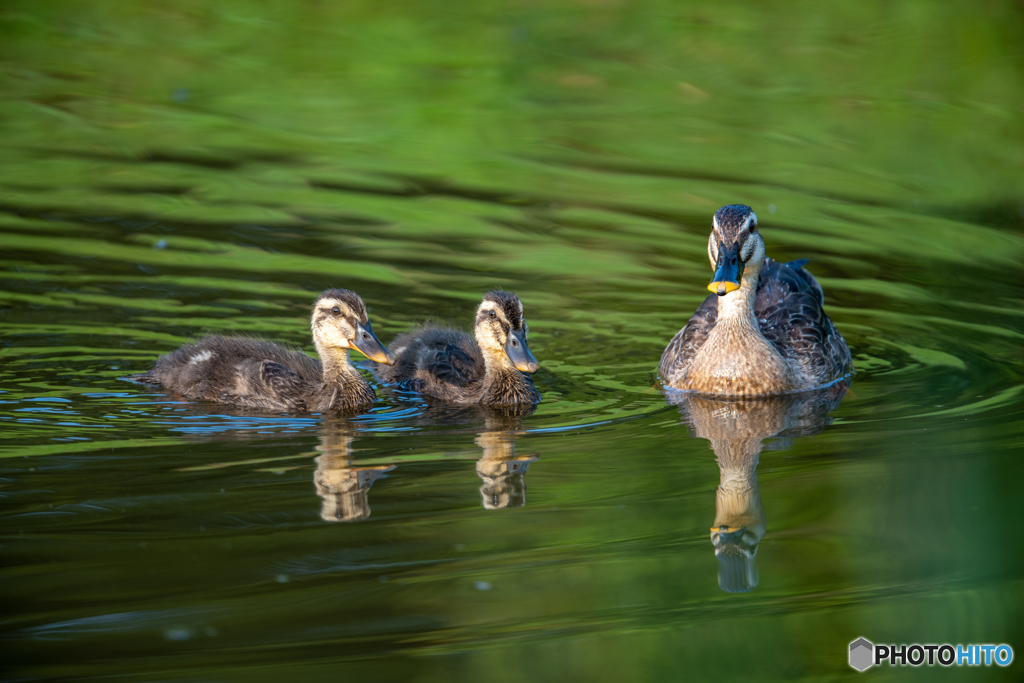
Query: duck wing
[
  {"x": 680, "y": 352},
  {"x": 436, "y": 355},
  {"x": 789, "y": 312},
  {"x": 236, "y": 370},
  {"x": 280, "y": 379},
  {"x": 449, "y": 357},
  {"x": 453, "y": 365}
]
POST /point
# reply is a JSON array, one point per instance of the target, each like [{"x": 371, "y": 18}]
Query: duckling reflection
[
  {"x": 500, "y": 469},
  {"x": 343, "y": 488},
  {"x": 736, "y": 428}
]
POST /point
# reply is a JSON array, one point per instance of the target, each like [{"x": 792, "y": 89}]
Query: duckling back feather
[{"x": 252, "y": 373}]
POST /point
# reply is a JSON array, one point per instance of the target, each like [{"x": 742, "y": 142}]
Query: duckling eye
[
  {"x": 493, "y": 314},
  {"x": 336, "y": 310}
]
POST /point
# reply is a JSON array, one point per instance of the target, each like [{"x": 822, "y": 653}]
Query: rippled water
[{"x": 191, "y": 168}]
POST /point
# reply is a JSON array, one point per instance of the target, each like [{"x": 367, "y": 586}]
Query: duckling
[
  {"x": 763, "y": 331},
  {"x": 453, "y": 367},
  {"x": 257, "y": 374}
]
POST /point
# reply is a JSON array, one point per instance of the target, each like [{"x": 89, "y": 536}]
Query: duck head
[
  {"x": 339, "y": 321},
  {"x": 501, "y": 330},
  {"x": 734, "y": 245}
]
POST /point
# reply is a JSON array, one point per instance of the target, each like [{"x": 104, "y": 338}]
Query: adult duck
[{"x": 763, "y": 331}]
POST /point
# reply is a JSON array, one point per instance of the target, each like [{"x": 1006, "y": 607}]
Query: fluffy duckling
[
  {"x": 453, "y": 367},
  {"x": 258, "y": 374},
  {"x": 763, "y": 331}
]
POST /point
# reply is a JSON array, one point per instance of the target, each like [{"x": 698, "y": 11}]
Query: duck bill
[
  {"x": 366, "y": 342},
  {"x": 519, "y": 353},
  {"x": 728, "y": 270}
]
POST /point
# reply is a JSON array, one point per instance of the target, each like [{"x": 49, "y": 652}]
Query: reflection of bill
[
  {"x": 736, "y": 428},
  {"x": 343, "y": 488}
]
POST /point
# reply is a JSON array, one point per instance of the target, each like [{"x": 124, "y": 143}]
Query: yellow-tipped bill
[
  {"x": 368, "y": 344},
  {"x": 519, "y": 353},
  {"x": 723, "y": 288},
  {"x": 728, "y": 270}
]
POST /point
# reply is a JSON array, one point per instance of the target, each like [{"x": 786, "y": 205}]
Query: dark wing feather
[
  {"x": 790, "y": 315},
  {"x": 444, "y": 355},
  {"x": 235, "y": 370},
  {"x": 679, "y": 353},
  {"x": 452, "y": 365},
  {"x": 280, "y": 379}
]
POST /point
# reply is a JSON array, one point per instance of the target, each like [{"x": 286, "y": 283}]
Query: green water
[{"x": 175, "y": 168}]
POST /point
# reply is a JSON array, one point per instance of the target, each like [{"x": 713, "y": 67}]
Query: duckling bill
[
  {"x": 257, "y": 374},
  {"x": 764, "y": 331},
  {"x": 490, "y": 368}
]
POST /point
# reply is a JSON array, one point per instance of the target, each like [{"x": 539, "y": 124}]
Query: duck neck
[
  {"x": 335, "y": 365},
  {"x": 737, "y": 307},
  {"x": 496, "y": 362},
  {"x": 495, "y": 366}
]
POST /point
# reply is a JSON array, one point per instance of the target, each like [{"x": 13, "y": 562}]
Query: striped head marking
[
  {"x": 340, "y": 321},
  {"x": 501, "y": 312},
  {"x": 501, "y": 329},
  {"x": 735, "y": 225},
  {"x": 336, "y": 315}
]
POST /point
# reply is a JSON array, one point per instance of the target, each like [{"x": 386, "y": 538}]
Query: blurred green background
[{"x": 173, "y": 168}]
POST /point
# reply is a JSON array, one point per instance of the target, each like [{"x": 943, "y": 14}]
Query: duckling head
[
  {"x": 339, "y": 322},
  {"x": 501, "y": 331},
  {"x": 734, "y": 245}
]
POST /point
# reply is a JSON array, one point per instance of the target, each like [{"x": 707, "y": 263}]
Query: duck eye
[
  {"x": 493, "y": 314},
  {"x": 336, "y": 311}
]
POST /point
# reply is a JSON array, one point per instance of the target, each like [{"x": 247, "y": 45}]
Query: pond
[{"x": 172, "y": 170}]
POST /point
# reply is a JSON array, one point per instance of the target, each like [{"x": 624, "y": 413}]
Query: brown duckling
[
  {"x": 257, "y": 374},
  {"x": 763, "y": 331},
  {"x": 453, "y": 367}
]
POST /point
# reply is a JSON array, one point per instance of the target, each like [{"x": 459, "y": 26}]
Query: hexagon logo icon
[{"x": 861, "y": 654}]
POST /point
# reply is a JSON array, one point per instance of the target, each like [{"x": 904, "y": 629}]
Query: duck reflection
[
  {"x": 736, "y": 428},
  {"x": 500, "y": 469},
  {"x": 343, "y": 489}
]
